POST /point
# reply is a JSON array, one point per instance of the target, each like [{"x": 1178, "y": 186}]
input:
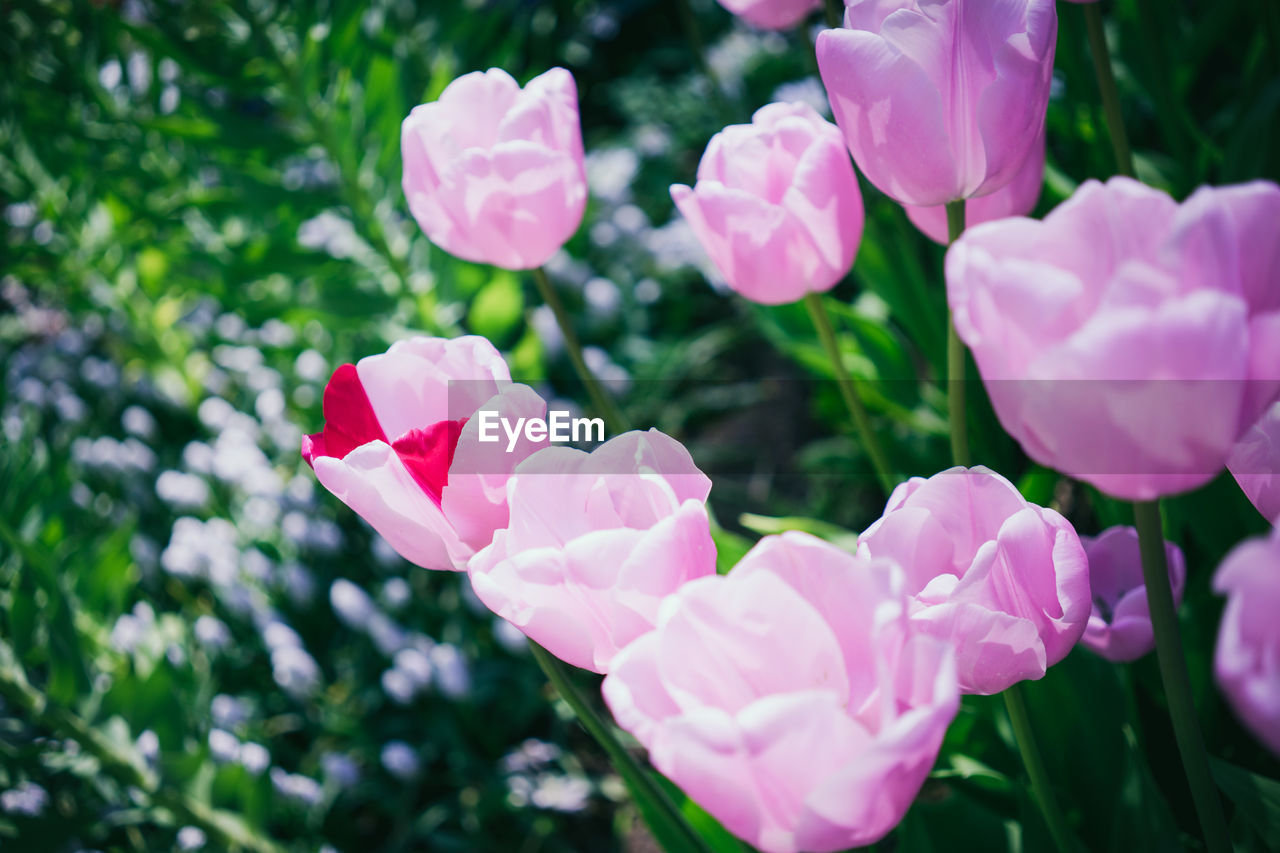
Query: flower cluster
[{"x": 1125, "y": 340}]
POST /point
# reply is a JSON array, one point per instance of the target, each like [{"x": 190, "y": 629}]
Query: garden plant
[{"x": 590, "y": 425}]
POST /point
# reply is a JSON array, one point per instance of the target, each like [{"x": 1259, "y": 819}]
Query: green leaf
[
  {"x": 1257, "y": 797},
  {"x": 768, "y": 526}
]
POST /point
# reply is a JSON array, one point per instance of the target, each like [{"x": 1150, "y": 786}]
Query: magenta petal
[
  {"x": 428, "y": 452},
  {"x": 349, "y": 420}
]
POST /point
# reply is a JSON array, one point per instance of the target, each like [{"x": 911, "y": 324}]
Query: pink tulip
[
  {"x": 1255, "y": 463},
  {"x": 1119, "y": 627},
  {"x": 940, "y": 100},
  {"x": 792, "y": 699},
  {"x": 1126, "y": 340},
  {"x": 596, "y": 541},
  {"x": 400, "y": 447},
  {"x": 1247, "y": 663},
  {"x": 776, "y": 205},
  {"x": 1004, "y": 580},
  {"x": 1017, "y": 198},
  {"x": 772, "y": 14},
  {"x": 492, "y": 172}
]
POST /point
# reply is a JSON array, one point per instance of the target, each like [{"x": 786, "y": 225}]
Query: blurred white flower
[
  {"x": 223, "y": 746},
  {"x": 212, "y": 633},
  {"x": 26, "y": 798},
  {"x": 191, "y": 838},
  {"x": 295, "y": 786},
  {"x": 399, "y": 759},
  {"x": 351, "y": 604},
  {"x": 254, "y": 758}
]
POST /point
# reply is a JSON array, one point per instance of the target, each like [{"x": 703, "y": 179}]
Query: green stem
[
  {"x": 835, "y": 13},
  {"x": 1034, "y": 762},
  {"x": 1177, "y": 683},
  {"x": 664, "y": 817},
  {"x": 956, "y": 358},
  {"x": 603, "y": 402},
  {"x": 693, "y": 34},
  {"x": 849, "y": 390},
  {"x": 1107, "y": 87},
  {"x": 224, "y": 829}
]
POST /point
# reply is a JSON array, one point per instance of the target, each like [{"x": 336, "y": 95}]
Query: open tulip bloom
[
  {"x": 595, "y": 542},
  {"x": 1119, "y": 627},
  {"x": 400, "y": 447},
  {"x": 1005, "y": 581},
  {"x": 793, "y": 699},
  {"x": 1127, "y": 340}
]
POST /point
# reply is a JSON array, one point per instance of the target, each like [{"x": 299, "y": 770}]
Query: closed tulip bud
[
  {"x": 400, "y": 446},
  {"x": 1247, "y": 662},
  {"x": 1126, "y": 340},
  {"x": 1119, "y": 627},
  {"x": 793, "y": 699},
  {"x": 1003, "y": 580},
  {"x": 772, "y": 14},
  {"x": 1255, "y": 463},
  {"x": 494, "y": 173},
  {"x": 940, "y": 100},
  {"x": 596, "y": 541},
  {"x": 777, "y": 205},
  {"x": 1017, "y": 198}
]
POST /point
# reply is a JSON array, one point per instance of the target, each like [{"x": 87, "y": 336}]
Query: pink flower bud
[
  {"x": 1247, "y": 663},
  {"x": 777, "y": 205},
  {"x": 940, "y": 100},
  {"x": 772, "y": 14},
  {"x": 492, "y": 172}
]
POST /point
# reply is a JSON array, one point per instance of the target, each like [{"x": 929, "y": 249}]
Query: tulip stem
[
  {"x": 1016, "y": 704},
  {"x": 1107, "y": 88},
  {"x": 835, "y": 13},
  {"x": 603, "y": 403},
  {"x": 663, "y": 816},
  {"x": 849, "y": 391},
  {"x": 1177, "y": 682},
  {"x": 955, "y": 358}
]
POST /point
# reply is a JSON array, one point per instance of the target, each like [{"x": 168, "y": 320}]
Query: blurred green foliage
[{"x": 202, "y": 217}]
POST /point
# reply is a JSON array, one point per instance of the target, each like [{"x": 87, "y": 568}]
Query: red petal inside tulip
[
  {"x": 349, "y": 420},
  {"x": 427, "y": 453}
]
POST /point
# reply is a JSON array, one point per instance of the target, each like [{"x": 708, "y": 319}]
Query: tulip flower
[
  {"x": 401, "y": 448},
  {"x": 1255, "y": 463},
  {"x": 1247, "y": 662},
  {"x": 1127, "y": 340},
  {"x": 1005, "y": 581},
  {"x": 1017, "y": 198},
  {"x": 940, "y": 100},
  {"x": 776, "y": 205},
  {"x": 792, "y": 699},
  {"x": 494, "y": 173},
  {"x": 772, "y": 14},
  {"x": 1119, "y": 628},
  {"x": 596, "y": 541}
]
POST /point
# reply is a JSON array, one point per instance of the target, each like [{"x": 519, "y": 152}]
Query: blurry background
[{"x": 202, "y": 217}]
